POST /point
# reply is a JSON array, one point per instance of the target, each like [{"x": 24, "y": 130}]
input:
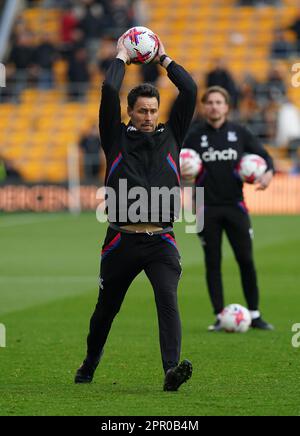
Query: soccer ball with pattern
[
  {"x": 190, "y": 162},
  {"x": 251, "y": 167},
  {"x": 141, "y": 44},
  {"x": 235, "y": 318}
]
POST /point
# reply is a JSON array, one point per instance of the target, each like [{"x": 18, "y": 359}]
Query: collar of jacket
[
  {"x": 222, "y": 127},
  {"x": 134, "y": 133}
]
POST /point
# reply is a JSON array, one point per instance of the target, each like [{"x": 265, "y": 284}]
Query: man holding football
[
  {"x": 143, "y": 154},
  {"x": 221, "y": 144}
]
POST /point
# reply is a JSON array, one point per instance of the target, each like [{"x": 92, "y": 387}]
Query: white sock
[{"x": 254, "y": 314}]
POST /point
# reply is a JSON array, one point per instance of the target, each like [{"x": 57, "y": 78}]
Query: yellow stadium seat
[
  {"x": 33, "y": 171},
  {"x": 39, "y": 130},
  {"x": 56, "y": 171}
]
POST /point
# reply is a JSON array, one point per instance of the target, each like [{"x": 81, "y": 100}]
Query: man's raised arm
[
  {"x": 183, "y": 108},
  {"x": 110, "y": 108}
]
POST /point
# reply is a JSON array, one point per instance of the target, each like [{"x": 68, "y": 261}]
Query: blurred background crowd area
[{"x": 56, "y": 53}]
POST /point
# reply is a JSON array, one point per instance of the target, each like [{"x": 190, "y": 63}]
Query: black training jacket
[
  {"x": 220, "y": 151},
  {"x": 145, "y": 160}
]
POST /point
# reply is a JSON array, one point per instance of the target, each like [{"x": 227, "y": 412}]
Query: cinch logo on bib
[{"x": 212, "y": 155}]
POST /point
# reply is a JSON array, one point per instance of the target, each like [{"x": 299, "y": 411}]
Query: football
[
  {"x": 251, "y": 167},
  {"x": 235, "y": 318},
  {"x": 141, "y": 44},
  {"x": 190, "y": 162}
]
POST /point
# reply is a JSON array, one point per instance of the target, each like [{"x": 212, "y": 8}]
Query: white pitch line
[
  {"x": 22, "y": 220},
  {"x": 47, "y": 278},
  {"x": 55, "y": 279}
]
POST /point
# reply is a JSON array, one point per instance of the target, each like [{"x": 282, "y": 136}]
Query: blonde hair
[{"x": 219, "y": 89}]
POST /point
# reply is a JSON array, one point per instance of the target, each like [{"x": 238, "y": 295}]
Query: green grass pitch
[{"x": 49, "y": 286}]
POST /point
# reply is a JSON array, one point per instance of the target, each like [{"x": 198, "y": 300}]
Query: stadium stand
[{"x": 36, "y": 130}]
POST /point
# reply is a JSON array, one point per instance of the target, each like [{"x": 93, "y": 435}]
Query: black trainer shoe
[
  {"x": 176, "y": 376},
  {"x": 216, "y": 327},
  {"x": 85, "y": 373},
  {"x": 259, "y": 323}
]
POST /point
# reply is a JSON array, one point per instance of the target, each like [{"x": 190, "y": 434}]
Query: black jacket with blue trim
[{"x": 148, "y": 160}]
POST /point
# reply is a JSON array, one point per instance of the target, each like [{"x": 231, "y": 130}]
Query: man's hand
[
  {"x": 186, "y": 172},
  {"x": 161, "y": 51},
  {"x": 122, "y": 51},
  {"x": 264, "y": 181}
]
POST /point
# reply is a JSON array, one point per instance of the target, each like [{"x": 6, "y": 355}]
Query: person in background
[
  {"x": 221, "y": 144},
  {"x": 90, "y": 146},
  {"x": 78, "y": 75},
  {"x": 44, "y": 57},
  {"x": 281, "y": 48},
  {"x": 219, "y": 75}
]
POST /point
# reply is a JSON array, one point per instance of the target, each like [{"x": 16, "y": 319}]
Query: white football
[
  {"x": 141, "y": 44},
  {"x": 235, "y": 318},
  {"x": 190, "y": 162},
  {"x": 251, "y": 167}
]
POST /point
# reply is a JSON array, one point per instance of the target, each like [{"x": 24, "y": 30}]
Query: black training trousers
[
  {"x": 124, "y": 256},
  {"x": 235, "y": 221}
]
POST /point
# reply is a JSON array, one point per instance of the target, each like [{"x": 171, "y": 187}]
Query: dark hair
[
  {"x": 143, "y": 90},
  {"x": 213, "y": 89}
]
